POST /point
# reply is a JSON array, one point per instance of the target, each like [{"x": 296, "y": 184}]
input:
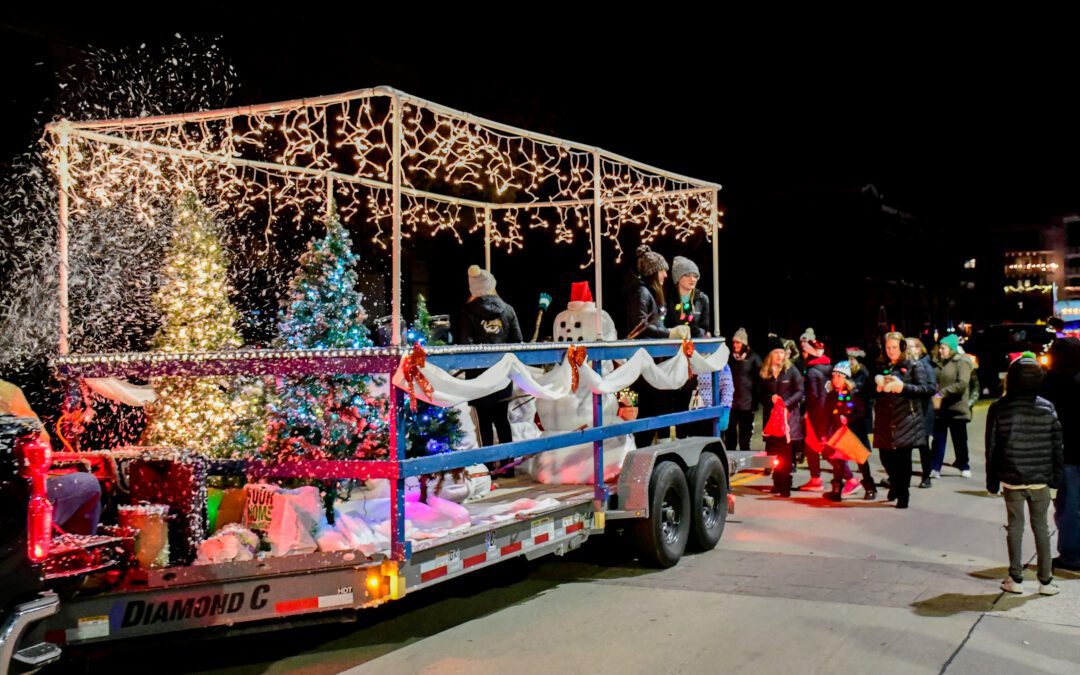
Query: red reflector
[
  {"x": 433, "y": 574},
  {"x": 512, "y": 548},
  {"x": 575, "y": 527},
  {"x": 289, "y": 606},
  {"x": 475, "y": 560}
]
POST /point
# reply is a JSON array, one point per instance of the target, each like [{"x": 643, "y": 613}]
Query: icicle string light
[{"x": 276, "y": 159}]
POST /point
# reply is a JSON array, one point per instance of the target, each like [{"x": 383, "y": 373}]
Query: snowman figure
[
  {"x": 573, "y": 465},
  {"x": 577, "y": 323}
]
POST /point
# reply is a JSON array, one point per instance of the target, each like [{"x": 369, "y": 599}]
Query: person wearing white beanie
[{"x": 487, "y": 320}]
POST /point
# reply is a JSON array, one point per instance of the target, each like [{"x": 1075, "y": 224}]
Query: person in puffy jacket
[
  {"x": 899, "y": 421},
  {"x": 781, "y": 385},
  {"x": 745, "y": 366},
  {"x": 818, "y": 372},
  {"x": 1025, "y": 456},
  {"x": 646, "y": 309},
  {"x": 487, "y": 320},
  {"x": 917, "y": 352}
]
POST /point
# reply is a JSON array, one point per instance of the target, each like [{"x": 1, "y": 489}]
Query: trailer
[{"x": 672, "y": 496}]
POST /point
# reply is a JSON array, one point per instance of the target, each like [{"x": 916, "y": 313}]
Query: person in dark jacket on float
[
  {"x": 954, "y": 409},
  {"x": 917, "y": 353},
  {"x": 818, "y": 372},
  {"x": 487, "y": 320},
  {"x": 1025, "y": 456},
  {"x": 899, "y": 423},
  {"x": 745, "y": 366},
  {"x": 1062, "y": 388},
  {"x": 781, "y": 384},
  {"x": 689, "y": 307},
  {"x": 645, "y": 313}
]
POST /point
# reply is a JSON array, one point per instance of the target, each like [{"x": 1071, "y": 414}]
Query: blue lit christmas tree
[
  {"x": 431, "y": 429},
  {"x": 326, "y": 416}
]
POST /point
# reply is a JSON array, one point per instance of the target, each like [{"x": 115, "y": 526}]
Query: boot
[
  {"x": 871, "y": 491},
  {"x": 834, "y": 495},
  {"x": 902, "y": 502}
]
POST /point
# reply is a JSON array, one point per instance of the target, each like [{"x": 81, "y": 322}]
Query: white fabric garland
[{"x": 555, "y": 384}]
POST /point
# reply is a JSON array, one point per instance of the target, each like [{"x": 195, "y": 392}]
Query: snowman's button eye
[
  {"x": 580, "y": 338},
  {"x": 577, "y": 324},
  {"x": 562, "y": 324}
]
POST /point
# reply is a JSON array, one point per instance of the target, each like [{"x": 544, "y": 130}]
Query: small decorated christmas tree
[
  {"x": 196, "y": 316},
  {"x": 430, "y": 429},
  {"x": 326, "y": 416}
]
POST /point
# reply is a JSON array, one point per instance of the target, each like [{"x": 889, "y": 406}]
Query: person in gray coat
[{"x": 953, "y": 405}]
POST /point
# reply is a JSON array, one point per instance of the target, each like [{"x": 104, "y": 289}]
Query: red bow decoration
[
  {"x": 688, "y": 349},
  {"x": 576, "y": 356},
  {"x": 411, "y": 368}
]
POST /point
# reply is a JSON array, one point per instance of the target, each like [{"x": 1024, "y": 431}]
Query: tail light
[
  {"x": 776, "y": 462},
  {"x": 37, "y": 456}
]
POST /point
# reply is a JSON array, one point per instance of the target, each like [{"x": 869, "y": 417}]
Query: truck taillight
[
  {"x": 39, "y": 523},
  {"x": 39, "y": 517}
]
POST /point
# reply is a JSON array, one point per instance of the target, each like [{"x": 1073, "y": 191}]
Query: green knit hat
[{"x": 952, "y": 342}]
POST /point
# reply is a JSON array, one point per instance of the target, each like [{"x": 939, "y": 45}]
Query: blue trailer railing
[{"x": 384, "y": 361}]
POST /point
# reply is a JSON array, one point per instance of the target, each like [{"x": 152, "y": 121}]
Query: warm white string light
[{"x": 278, "y": 160}]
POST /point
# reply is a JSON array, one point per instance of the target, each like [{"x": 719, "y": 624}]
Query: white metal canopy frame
[{"x": 408, "y": 164}]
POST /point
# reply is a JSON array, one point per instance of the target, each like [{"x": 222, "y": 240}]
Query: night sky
[{"x": 964, "y": 127}]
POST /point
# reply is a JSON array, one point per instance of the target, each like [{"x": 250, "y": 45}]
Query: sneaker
[
  {"x": 925, "y": 483},
  {"x": 852, "y": 485},
  {"x": 935, "y": 474},
  {"x": 812, "y": 485},
  {"x": 1049, "y": 589},
  {"x": 1011, "y": 586},
  {"x": 966, "y": 473}
]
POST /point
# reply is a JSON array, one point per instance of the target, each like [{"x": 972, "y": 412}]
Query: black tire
[
  {"x": 708, "y": 502},
  {"x": 661, "y": 538}
]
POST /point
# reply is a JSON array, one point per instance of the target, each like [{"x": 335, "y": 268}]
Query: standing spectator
[
  {"x": 487, "y": 320},
  {"x": 781, "y": 384},
  {"x": 745, "y": 366},
  {"x": 1062, "y": 388},
  {"x": 846, "y": 407},
  {"x": 860, "y": 376},
  {"x": 898, "y": 415},
  {"x": 1024, "y": 455},
  {"x": 645, "y": 310},
  {"x": 917, "y": 353},
  {"x": 953, "y": 407},
  {"x": 818, "y": 372}
]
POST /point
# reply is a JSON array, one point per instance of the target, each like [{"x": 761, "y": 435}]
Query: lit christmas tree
[
  {"x": 431, "y": 429},
  {"x": 196, "y": 316},
  {"x": 326, "y": 417}
]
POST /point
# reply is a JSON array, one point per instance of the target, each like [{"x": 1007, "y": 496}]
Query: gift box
[{"x": 176, "y": 478}]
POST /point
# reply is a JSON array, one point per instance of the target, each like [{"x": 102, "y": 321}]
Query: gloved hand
[
  {"x": 894, "y": 386},
  {"x": 879, "y": 380},
  {"x": 679, "y": 333}
]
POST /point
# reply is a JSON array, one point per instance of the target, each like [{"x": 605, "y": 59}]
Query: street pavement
[{"x": 796, "y": 585}]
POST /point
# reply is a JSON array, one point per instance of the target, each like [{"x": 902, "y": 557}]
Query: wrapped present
[{"x": 177, "y": 478}]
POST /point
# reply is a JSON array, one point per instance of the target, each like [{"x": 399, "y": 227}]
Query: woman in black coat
[
  {"x": 645, "y": 311},
  {"x": 899, "y": 416},
  {"x": 781, "y": 383}
]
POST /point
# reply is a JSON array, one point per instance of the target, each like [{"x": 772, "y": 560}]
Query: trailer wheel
[
  {"x": 708, "y": 502},
  {"x": 661, "y": 538}
]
